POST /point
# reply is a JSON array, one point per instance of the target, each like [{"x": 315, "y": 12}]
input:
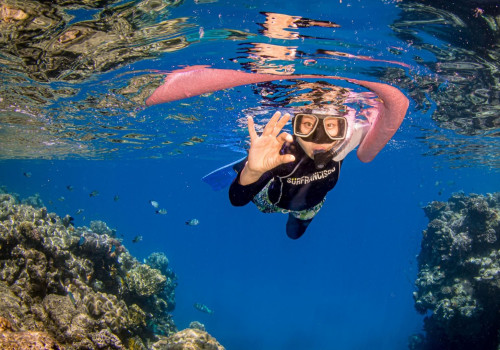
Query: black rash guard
[{"x": 295, "y": 186}]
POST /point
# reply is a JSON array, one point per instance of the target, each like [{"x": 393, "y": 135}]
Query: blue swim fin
[{"x": 222, "y": 177}]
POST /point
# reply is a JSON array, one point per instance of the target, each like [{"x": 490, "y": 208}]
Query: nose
[{"x": 319, "y": 136}]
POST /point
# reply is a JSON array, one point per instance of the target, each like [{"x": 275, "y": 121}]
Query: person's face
[{"x": 307, "y": 124}]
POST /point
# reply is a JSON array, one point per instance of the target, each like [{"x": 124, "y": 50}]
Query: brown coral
[
  {"x": 5, "y": 325},
  {"x": 188, "y": 339},
  {"x": 10, "y": 340},
  {"x": 73, "y": 289},
  {"x": 28, "y": 340}
]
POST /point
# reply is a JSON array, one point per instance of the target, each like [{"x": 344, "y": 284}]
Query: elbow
[
  {"x": 238, "y": 204},
  {"x": 237, "y": 200}
]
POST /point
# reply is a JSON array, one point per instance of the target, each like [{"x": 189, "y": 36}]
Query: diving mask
[{"x": 319, "y": 129}]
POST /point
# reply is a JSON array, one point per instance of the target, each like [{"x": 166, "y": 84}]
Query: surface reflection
[{"x": 79, "y": 68}]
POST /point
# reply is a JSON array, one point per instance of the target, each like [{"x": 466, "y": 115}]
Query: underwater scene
[{"x": 250, "y": 175}]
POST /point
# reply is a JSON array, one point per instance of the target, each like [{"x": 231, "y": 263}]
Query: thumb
[
  {"x": 285, "y": 137},
  {"x": 286, "y": 158}
]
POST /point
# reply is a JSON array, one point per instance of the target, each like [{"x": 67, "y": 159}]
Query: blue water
[{"x": 348, "y": 283}]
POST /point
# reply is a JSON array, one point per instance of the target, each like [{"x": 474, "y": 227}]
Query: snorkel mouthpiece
[{"x": 321, "y": 158}]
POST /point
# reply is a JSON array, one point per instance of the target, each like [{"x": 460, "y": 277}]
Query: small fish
[
  {"x": 154, "y": 204},
  {"x": 161, "y": 211},
  {"x": 112, "y": 249},
  {"x": 27, "y": 174},
  {"x": 203, "y": 308},
  {"x": 116, "y": 198},
  {"x": 61, "y": 199},
  {"x": 72, "y": 298},
  {"x": 69, "y": 188},
  {"x": 192, "y": 222},
  {"x": 81, "y": 241},
  {"x": 121, "y": 281},
  {"x": 93, "y": 193},
  {"x": 137, "y": 239},
  {"x": 79, "y": 211}
]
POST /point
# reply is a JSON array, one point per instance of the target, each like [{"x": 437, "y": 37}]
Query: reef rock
[
  {"x": 459, "y": 274},
  {"x": 188, "y": 339},
  {"x": 77, "y": 287},
  {"x": 11, "y": 340}
]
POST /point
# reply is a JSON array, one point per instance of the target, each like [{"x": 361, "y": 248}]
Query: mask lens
[
  {"x": 305, "y": 124},
  {"x": 335, "y": 127}
]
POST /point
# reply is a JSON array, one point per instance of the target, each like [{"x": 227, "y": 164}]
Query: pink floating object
[
  {"x": 197, "y": 80},
  {"x": 386, "y": 117}
]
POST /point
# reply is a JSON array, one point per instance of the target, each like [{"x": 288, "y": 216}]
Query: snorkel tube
[
  {"x": 322, "y": 158},
  {"x": 384, "y": 119}
]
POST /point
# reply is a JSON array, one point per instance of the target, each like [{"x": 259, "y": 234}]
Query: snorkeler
[{"x": 292, "y": 174}]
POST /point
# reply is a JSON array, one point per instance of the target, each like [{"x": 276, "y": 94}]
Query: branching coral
[{"x": 145, "y": 281}]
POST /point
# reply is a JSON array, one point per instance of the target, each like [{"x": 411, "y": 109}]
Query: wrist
[{"x": 249, "y": 176}]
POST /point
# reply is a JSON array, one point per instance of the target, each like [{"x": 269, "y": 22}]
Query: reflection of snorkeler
[
  {"x": 293, "y": 174},
  {"x": 279, "y": 26}
]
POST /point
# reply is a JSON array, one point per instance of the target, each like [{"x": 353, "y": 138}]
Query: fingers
[
  {"x": 268, "y": 130},
  {"x": 272, "y": 128},
  {"x": 275, "y": 124},
  {"x": 280, "y": 124},
  {"x": 251, "y": 129}
]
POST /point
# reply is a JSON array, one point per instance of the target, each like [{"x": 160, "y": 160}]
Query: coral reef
[
  {"x": 197, "y": 325},
  {"x": 145, "y": 281},
  {"x": 159, "y": 261},
  {"x": 101, "y": 228},
  {"x": 12, "y": 340},
  {"x": 188, "y": 339},
  {"x": 77, "y": 286},
  {"x": 459, "y": 274}
]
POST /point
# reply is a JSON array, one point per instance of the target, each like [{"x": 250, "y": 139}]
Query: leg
[{"x": 295, "y": 228}]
